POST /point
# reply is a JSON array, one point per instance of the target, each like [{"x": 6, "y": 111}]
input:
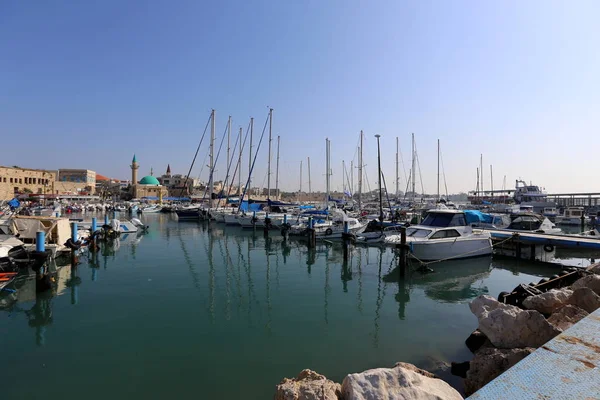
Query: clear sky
[{"x": 87, "y": 84}]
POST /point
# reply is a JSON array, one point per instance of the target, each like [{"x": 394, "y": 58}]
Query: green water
[{"x": 214, "y": 312}]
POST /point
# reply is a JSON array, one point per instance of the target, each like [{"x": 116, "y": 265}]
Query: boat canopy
[
  {"x": 476, "y": 217},
  {"x": 279, "y": 203},
  {"x": 245, "y": 206}
]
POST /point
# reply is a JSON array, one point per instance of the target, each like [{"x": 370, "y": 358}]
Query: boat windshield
[
  {"x": 525, "y": 224},
  {"x": 416, "y": 232},
  {"x": 444, "y": 220}
]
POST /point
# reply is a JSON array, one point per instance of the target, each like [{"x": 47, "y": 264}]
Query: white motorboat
[
  {"x": 571, "y": 216},
  {"x": 151, "y": 209},
  {"x": 529, "y": 222},
  {"x": 445, "y": 234}
]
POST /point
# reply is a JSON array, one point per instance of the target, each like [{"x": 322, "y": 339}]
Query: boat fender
[
  {"x": 548, "y": 248},
  {"x": 328, "y": 231}
]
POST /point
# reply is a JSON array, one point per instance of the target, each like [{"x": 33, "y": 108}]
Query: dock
[
  {"x": 567, "y": 367},
  {"x": 543, "y": 239}
]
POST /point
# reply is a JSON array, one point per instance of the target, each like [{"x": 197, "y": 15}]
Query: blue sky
[{"x": 87, "y": 84}]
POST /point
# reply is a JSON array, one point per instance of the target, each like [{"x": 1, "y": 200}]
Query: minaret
[
  {"x": 134, "y": 169},
  {"x": 168, "y": 170}
]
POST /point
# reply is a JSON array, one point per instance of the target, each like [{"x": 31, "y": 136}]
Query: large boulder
[
  {"x": 566, "y": 316},
  {"x": 548, "y": 302},
  {"x": 488, "y": 363},
  {"x": 308, "y": 385},
  {"x": 404, "y": 381},
  {"x": 595, "y": 268},
  {"x": 510, "y": 327},
  {"x": 585, "y": 298},
  {"x": 483, "y": 303},
  {"x": 589, "y": 281}
]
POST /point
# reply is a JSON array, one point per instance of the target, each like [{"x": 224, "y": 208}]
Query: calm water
[{"x": 216, "y": 312}]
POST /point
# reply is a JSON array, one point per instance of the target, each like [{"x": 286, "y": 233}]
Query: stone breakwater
[{"x": 506, "y": 334}]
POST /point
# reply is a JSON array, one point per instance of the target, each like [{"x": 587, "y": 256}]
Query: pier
[{"x": 564, "y": 368}]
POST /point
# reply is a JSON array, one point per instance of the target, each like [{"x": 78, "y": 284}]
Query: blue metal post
[
  {"x": 74, "y": 231},
  {"x": 94, "y": 224},
  {"x": 285, "y": 218},
  {"x": 40, "y": 241},
  {"x": 346, "y": 228},
  {"x": 106, "y": 219},
  {"x": 56, "y": 214},
  {"x": 114, "y": 215},
  {"x": 310, "y": 222},
  {"x": 253, "y": 214}
]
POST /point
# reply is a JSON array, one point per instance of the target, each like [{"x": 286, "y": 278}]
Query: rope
[{"x": 424, "y": 263}]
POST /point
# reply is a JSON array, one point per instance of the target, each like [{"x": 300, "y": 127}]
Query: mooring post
[
  {"x": 582, "y": 222},
  {"x": 74, "y": 240},
  {"x": 254, "y": 219},
  {"x": 92, "y": 243},
  {"x": 346, "y": 239},
  {"x": 267, "y": 223},
  {"x": 106, "y": 219},
  {"x": 403, "y": 247},
  {"x": 285, "y": 218},
  {"x": 115, "y": 214},
  {"x": 518, "y": 246},
  {"x": 312, "y": 240},
  {"x": 532, "y": 250},
  {"x": 40, "y": 241}
]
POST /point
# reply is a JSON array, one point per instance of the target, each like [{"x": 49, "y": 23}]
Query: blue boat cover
[
  {"x": 14, "y": 203},
  {"x": 476, "y": 216},
  {"x": 250, "y": 207}
]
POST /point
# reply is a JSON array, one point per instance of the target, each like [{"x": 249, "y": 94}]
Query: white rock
[
  {"x": 590, "y": 281},
  {"x": 510, "y": 327},
  {"x": 595, "y": 269},
  {"x": 548, "y": 302},
  {"x": 484, "y": 303},
  {"x": 566, "y": 316},
  {"x": 585, "y": 298},
  {"x": 404, "y": 381},
  {"x": 308, "y": 385}
]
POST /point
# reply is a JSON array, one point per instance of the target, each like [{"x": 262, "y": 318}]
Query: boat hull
[{"x": 442, "y": 249}]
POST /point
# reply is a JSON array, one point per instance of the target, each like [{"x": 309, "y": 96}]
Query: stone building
[
  {"x": 77, "y": 175},
  {"x": 148, "y": 186},
  {"x": 15, "y": 181}
]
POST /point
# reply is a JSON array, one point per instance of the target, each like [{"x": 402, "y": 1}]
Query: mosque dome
[{"x": 149, "y": 180}]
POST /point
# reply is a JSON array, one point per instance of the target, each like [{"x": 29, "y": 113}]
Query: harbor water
[{"x": 207, "y": 311}]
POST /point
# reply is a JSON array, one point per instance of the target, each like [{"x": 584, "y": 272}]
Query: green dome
[{"x": 149, "y": 180}]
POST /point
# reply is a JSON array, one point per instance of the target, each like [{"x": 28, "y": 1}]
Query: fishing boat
[
  {"x": 445, "y": 234},
  {"x": 150, "y": 209},
  {"x": 188, "y": 214}
]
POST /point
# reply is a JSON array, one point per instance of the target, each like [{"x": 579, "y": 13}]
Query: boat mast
[
  {"x": 379, "y": 174},
  {"x": 327, "y": 173},
  {"x": 212, "y": 159},
  {"x": 481, "y": 173},
  {"x": 438, "y": 172},
  {"x": 352, "y": 179},
  {"x": 492, "y": 180},
  {"x": 269, "y": 162},
  {"x": 343, "y": 178},
  {"x": 300, "y": 191},
  {"x": 240, "y": 166},
  {"x": 397, "y": 177},
  {"x": 413, "y": 180},
  {"x": 277, "y": 170},
  {"x": 228, "y": 151},
  {"x": 309, "y": 184},
  {"x": 360, "y": 167},
  {"x": 250, "y": 159}
]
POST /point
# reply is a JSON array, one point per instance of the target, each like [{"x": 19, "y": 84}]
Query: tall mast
[
  {"x": 481, "y": 173},
  {"x": 414, "y": 161},
  {"x": 397, "y": 177},
  {"x": 477, "y": 188},
  {"x": 438, "y": 174},
  {"x": 491, "y": 180},
  {"x": 300, "y": 191},
  {"x": 309, "y": 184},
  {"x": 212, "y": 158},
  {"x": 379, "y": 179},
  {"x": 228, "y": 150},
  {"x": 327, "y": 172},
  {"x": 352, "y": 178},
  {"x": 269, "y": 162},
  {"x": 240, "y": 165},
  {"x": 277, "y": 171},
  {"x": 343, "y": 178},
  {"x": 360, "y": 167},
  {"x": 250, "y": 158}
]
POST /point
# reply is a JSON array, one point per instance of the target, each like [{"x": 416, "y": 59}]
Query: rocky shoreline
[{"x": 506, "y": 334}]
